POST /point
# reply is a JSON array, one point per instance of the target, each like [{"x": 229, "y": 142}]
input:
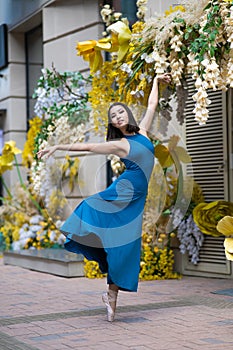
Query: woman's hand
[
  {"x": 47, "y": 151},
  {"x": 164, "y": 78}
]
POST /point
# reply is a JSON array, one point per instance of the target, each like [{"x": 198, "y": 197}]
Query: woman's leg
[
  {"x": 112, "y": 295},
  {"x": 110, "y": 300}
]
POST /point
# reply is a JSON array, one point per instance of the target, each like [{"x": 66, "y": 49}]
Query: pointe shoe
[{"x": 108, "y": 298}]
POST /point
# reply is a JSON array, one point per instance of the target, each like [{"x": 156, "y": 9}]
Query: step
[{"x": 53, "y": 261}]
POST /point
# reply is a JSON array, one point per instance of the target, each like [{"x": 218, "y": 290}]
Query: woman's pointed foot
[{"x": 109, "y": 299}]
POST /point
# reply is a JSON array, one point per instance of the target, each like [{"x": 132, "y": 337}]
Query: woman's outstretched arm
[
  {"x": 119, "y": 148},
  {"x": 153, "y": 99}
]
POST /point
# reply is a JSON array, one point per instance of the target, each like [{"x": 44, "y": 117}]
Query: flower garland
[{"x": 191, "y": 39}]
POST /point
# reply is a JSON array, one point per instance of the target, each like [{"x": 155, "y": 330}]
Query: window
[
  {"x": 3, "y": 46},
  {"x": 127, "y": 8}
]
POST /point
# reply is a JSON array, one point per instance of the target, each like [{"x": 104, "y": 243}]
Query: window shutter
[{"x": 207, "y": 145}]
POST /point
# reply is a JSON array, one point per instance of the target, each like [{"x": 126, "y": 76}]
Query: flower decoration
[
  {"x": 225, "y": 226},
  {"x": 109, "y": 16},
  {"x": 117, "y": 165},
  {"x": 191, "y": 238},
  {"x": 167, "y": 155},
  {"x": 142, "y": 9},
  {"x": 39, "y": 232},
  {"x": 29, "y": 146},
  {"x": 106, "y": 14},
  {"x": 9, "y": 153},
  {"x": 228, "y": 245},
  {"x": 10, "y": 150},
  {"x": 118, "y": 42},
  {"x": 207, "y": 215},
  {"x": 5, "y": 164},
  {"x": 156, "y": 263},
  {"x": 70, "y": 170},
  {"x": 121, "y": 35},
  {"x": 92, "y": 270},
  {"x": 174, "y": 9},
  {"x": 91, "y": 52}
]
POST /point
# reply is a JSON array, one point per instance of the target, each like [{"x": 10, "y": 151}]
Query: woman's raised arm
[
  {"x": 119, "y": 148},
  {"x": 152, "y": 104}
]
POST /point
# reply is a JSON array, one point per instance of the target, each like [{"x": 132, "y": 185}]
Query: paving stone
[{"x": 47, "y": 312}]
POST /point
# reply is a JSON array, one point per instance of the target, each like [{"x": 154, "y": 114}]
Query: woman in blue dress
[{"x": 106, "y": 227}]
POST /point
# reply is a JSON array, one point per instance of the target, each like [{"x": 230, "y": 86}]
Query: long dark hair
[{"x": 115, "y": 133}]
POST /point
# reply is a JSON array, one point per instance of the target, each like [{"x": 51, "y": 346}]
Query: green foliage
[
  {"x": 61, "y": 94},
  {"x": 206, "y": 42}
]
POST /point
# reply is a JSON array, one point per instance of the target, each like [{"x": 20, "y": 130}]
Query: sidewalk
[{"x": 44, "y": 312}]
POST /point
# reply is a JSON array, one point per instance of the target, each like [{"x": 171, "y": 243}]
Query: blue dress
[{"x": 106, "y": 227}]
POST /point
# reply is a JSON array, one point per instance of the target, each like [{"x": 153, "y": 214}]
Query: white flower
[
  {"x": 36, "y": 219},
  {"x": 201, "y": 93},
  {"x": 35, "y": 228},
  {"x": 126, "y": 68},
  {"x": 176, "y": 43},
  {"x": 141, "y": 2},
  {"x": 117, "y": 15},
  {"x": 149, "y": 58},
  {"x": 230, "y": 72},
  {"x": 52, "y": 236},
  {"x": 160, "y": 59},
  {"x": 137, "y": 93},
  {"x": 125, "y": 21},
  {"x": 141, "y": 12},
  {"x": 191, "y": 238},
  {"x": 61, "y": 239},
  {"x": 16, "y": 245},
  {"x": 205, "y": 62},
  {"x": 59, "y": 223}
]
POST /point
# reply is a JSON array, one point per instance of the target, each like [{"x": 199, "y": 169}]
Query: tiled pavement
[{"x": 44, "y": 312}]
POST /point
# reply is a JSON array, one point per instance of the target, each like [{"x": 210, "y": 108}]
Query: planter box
[{"x": 53, "y": 261}]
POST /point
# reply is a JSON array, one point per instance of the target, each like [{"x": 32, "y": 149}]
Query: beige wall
[
  {"x": 64, "y": 24},
  {"x": 13, "y": 99},
  {"x": 13, "y": 91}
]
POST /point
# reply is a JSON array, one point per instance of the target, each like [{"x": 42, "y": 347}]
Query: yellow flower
[
  {"x": 92, "y": 270},
  {"x": 207, "y": 215},
  {"x": 121, "y": 36},
  {"x": 197, "y": 194},
  {"x": 228, "y": 245},
  {"x": 27, "y": 155},
  {"x": 10, "y": 150},
  {"x": 163, "y": 155},
  {"x": 138, "y": 27},
  {"x": 225, "y": 225},
  {"x": 5, "y": 164},
  {"x": 174, "y": 9},
  {"x": 167, "y": 155}
]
